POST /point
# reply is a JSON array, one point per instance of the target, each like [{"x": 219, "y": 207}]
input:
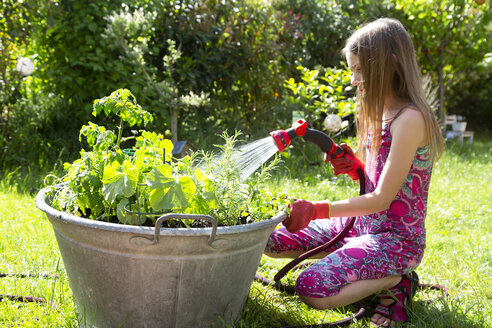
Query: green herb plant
[
  {"x": 137, "y": 184},
  {"x": 240, "y": 201}
]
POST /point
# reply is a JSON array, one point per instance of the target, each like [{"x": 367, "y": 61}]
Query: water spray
[{"x": 251, "y": 156}]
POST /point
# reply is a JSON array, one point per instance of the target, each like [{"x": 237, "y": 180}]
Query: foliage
[
  {"x": 229, "y": 50},
  {"x": 238, "y": 53},
  {"x": 13, "y": 38},
  {"x": 314, "y": 30},
  {"x": 233, "y": 55},
  {"x": 235, "y": 198},
  {"x": 80, "y": 64},
  {"x": 455, "y": 38},
  {"x": 318, "y": 29},
  {"x": 38, "y": 118},
  {"x": 15, "y": 115},
  {"x": 133, "y": 32},
  {"x": 77, "y": 65},
  {"x": 318, "y": 94},
  {"x": 132, "y": 185},
  {"x": 472, "y": 97}
]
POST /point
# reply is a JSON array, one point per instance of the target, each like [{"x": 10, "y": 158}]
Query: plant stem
[{"x": 120, "y": 132}]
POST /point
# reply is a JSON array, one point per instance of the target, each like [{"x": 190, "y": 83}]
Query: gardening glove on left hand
[{"x": 302, "y": 212}]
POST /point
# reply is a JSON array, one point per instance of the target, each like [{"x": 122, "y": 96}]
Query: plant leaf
[
  {"x": 161, "y": 176},
  {"x": 118, "y": 181},
  {"x": 208, "y": 194},
  {"x": 167, "y": 193}
]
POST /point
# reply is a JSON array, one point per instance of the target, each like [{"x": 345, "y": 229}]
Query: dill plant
[{"x": 240, "y": 201}]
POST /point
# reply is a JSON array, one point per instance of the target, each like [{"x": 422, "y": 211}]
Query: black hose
[
  {"x": 27, "y": 299},
  {"x": 324, "y": 142}
]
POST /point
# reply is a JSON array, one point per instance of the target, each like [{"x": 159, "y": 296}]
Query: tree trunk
[
  {"x": 440, "y": 78},
  {"x": 174, "y": 125}
]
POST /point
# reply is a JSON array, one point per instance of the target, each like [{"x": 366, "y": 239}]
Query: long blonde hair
[{"x": 387, "y": 62}]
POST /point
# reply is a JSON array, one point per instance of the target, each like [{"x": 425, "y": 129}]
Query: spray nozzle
[
  {"x": 300, "y": 127},
  {"x": 323, "y": 141},
  {"x": 283, "y": 137}
]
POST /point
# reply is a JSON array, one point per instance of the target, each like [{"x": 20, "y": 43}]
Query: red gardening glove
[
  {"x": 348, "y": 164},
  {"x": 302, "y": 212}
]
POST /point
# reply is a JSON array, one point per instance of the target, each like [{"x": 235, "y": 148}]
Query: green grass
[
  {"x": 28, "y": 246},
  {"x": 458, "y": 253}
]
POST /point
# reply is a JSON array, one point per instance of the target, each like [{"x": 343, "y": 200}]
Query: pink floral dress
[{"x": 390, "y": 242}]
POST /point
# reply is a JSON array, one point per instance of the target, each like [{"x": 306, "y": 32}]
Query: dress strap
[{"x": 401, "y": 110}]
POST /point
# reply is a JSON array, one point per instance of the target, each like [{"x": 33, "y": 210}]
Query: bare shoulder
[
  {"x": 410, "y": 123},
  {"x": 412, "y": 114}
]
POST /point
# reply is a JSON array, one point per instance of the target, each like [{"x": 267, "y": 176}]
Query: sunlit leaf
[
  {"x": 166, "y": 192},
  {"x": 118, "y": 181}
]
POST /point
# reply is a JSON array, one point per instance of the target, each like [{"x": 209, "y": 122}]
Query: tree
[
  {"x": 132, "y": 31},
  {"x": 17, "y": 118},
  {"x": 450, "y": 36}
]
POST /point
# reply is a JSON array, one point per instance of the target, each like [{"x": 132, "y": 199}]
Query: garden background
[{"x": 246, "y": 65}]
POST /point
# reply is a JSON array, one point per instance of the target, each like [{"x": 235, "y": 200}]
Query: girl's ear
[{"x": 395, "y": 58}]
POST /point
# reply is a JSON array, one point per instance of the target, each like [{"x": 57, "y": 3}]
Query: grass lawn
[{"x": 458, "y": 254}]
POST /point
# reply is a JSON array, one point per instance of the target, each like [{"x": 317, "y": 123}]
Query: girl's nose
[{"x": 354, "y": 80}]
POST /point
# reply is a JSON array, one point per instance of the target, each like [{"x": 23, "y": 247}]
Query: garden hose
[
  {"x": 327, "y": 145},
  {"x": 26, "y": 299}
]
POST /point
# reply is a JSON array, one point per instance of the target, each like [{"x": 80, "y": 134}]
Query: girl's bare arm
[{"x": 408, "y": 133}]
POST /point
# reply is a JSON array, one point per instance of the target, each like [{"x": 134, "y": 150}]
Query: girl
[{"x": 402, "y": 139}]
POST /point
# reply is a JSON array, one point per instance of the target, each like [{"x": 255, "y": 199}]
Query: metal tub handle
[{"x": 145, "y": 240}]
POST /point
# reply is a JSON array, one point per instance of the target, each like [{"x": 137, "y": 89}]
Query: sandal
[{"x": 402, "y": 295}]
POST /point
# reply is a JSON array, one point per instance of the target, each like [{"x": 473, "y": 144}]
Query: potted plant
[{"x": 152, "y": 241}]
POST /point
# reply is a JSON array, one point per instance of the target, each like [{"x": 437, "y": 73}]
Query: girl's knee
[{"x": 315, "y": 284}]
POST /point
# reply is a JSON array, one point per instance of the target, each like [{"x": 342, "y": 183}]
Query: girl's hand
[
  {"x": 302, "y": 212},
  {"x": 348, "y": 164}
]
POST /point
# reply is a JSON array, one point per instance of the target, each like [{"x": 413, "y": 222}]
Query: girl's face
[{"x": 354, "y": 65}]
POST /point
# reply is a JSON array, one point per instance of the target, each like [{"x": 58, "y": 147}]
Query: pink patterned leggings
[{"x": 355, "y": 257}]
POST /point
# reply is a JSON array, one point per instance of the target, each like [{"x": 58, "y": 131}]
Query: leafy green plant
[
  {"x": 135, "y": 185},
  {"x": 320, "y": 92}
]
